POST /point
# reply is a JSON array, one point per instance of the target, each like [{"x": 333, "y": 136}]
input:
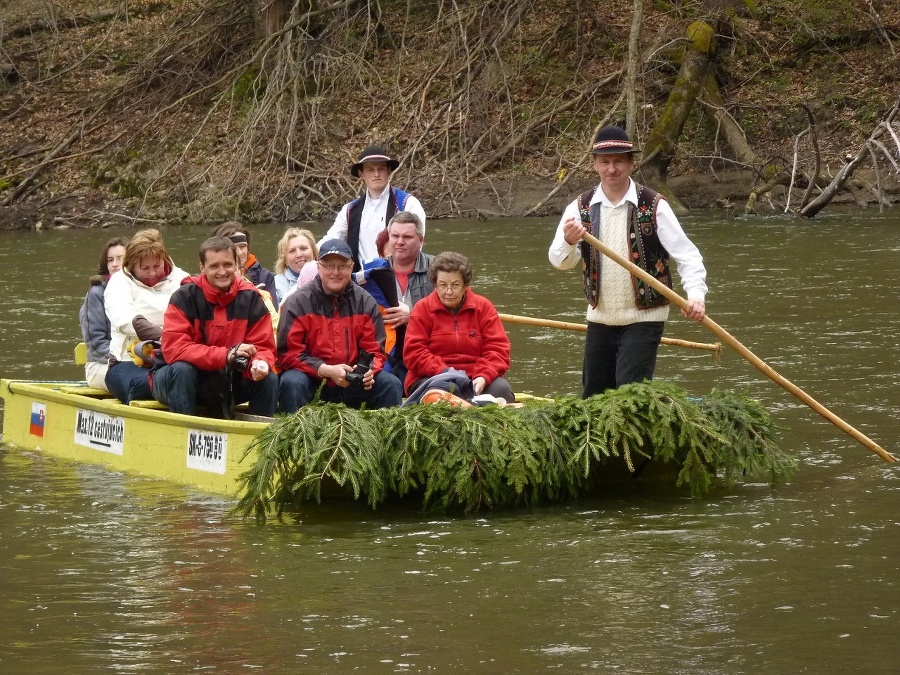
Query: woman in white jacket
[{"x": 136, "y": 300}]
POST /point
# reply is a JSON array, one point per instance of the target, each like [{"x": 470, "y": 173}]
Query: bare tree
[{"x": 659, "y": 148}]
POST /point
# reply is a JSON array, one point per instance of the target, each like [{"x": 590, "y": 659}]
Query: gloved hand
[{"x": 145, "y": 329}]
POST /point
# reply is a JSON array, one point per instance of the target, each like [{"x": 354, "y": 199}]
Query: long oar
[
  {"x": 732, "y": 342},
  {"x": 566, "y": 325}
]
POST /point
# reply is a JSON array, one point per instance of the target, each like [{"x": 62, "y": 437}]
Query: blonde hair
[
  {"x": 144, "y": 244},
  {"x": 282, "y": 246}
]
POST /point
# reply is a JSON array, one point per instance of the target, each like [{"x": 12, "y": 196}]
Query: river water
[{"x": 107, "y": 572}]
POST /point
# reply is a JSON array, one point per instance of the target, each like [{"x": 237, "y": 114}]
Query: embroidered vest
[
  {"x": 644, "y": 246},
  {"x": 396, "y": 202}
]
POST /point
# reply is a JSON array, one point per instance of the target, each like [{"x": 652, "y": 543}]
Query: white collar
[
  {"x": 379, "y": 198},
  {"x": 630, "y": 196}
]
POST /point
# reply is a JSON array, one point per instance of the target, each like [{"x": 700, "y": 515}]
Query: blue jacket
[
  {"x": 95, "y": 326},
  {"x": 257, "y": 274}
]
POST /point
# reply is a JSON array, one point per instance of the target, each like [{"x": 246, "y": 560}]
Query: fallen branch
[
  {"x": 814, "y": 138},
  {"x": 847, "y": 170},
  {"x": 43, "y": 25}
]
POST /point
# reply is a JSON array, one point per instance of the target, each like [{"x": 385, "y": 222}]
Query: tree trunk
[
  {"x": 726, "y": 126},
  {"x": 663, "y": 139},
  {"x": 271, "y": 15},
  {"x": 634, "y": 62}
]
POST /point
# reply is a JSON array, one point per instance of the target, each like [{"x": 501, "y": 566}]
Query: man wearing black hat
[
  {"x": 359, "y": 222},
  {"x": 626, "y": 317},
  {"x": 331, "y": 331}
]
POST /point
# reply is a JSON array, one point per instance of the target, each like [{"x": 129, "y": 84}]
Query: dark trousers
[
  {"x": 296, "y": 389},
  {"x": 128, "y": 382},
  {"x": 499, "y": 388},
  {"x": 617, "y": 355},
  {"x": 182, "y": 387}
]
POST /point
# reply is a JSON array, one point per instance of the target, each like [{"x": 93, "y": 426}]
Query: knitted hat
[
  {"x": 612, "y": 140},
  {"x": 307, "y": 273},
  {"x": 374, "y": 153}
]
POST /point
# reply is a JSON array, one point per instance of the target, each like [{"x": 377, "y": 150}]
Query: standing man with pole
[{"x": 626, "y": 316}]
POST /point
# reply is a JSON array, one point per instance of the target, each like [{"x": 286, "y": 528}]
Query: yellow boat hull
[{"x": 71, "y": 421}]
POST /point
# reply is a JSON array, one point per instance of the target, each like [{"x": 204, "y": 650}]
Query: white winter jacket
[{"x": 126, "y": 298}]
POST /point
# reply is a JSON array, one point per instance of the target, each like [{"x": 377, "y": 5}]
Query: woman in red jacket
[{"x": 454, "y": 327}]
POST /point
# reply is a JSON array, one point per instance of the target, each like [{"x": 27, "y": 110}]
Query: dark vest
[
  {"x": 396, "y": 202},
  {"x": 644, "y": 246}
]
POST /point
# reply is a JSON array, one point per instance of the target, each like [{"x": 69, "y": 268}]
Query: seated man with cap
[
  {"x": 359, "y": 222},
  {"x": 331, "y": 333}
]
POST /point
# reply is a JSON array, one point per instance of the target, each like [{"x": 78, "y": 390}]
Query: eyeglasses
[
  {"x": 442, "y": 287},
  {"x": 337, "y": 268}
]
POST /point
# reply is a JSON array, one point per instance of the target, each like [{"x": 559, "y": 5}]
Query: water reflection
[{"x": 100, "y": 571}]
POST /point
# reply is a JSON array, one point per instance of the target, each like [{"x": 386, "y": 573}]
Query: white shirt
[
  {"x": 374, "y": 220},
  {"x": 613, "y": 308}
]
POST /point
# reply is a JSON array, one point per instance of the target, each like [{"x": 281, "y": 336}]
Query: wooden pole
[
  {"x": 566, "y": 325},
  {"x": 732, "y": 342}
]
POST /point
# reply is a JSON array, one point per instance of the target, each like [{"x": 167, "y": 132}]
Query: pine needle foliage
[
  {"x": 492, "y": 457},
  {"x": 749, "y": 432},
  {"x": 296, "y": 454}
]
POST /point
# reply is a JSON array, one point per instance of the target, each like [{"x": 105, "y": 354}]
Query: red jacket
[
  {"x": 201, "y": 324},
  {"x": 316, "y": 327},
  {"x": 472, "y": 340}
]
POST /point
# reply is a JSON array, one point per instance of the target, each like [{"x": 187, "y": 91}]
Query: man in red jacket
[
  {"x": 326, "y": 329},
  {"x": 217, "y": 340}
]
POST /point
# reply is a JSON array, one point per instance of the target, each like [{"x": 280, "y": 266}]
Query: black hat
[
  {"x": 374, "y": 153},
  {"x": 612, "y": 140}
]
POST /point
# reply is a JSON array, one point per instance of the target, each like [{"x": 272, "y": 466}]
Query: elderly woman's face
[{"x": 450, "y": 288}]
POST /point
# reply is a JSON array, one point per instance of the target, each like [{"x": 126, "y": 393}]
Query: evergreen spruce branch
[
  {"x": 751, "y": 448},
  {"x": 491, "y": 457},
  {"x": 257, "y": 485},
  {"x": 468, "y": 469},
  {"x": 622, "y": 423},
  {"x": 560, "y": 474},
  {"x": 575, "y": 422},
  {"x": 540, "y": 462},
  {"x": 410, "y": 434},
  {"x": 353, "y": 452}
]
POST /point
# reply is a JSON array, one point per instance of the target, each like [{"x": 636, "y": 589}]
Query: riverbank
[
  {"x": 191, "y": 111},
  {"x": 726, "y": 191}
]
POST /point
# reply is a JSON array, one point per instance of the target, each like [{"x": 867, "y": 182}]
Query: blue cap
[{"x": 335, "y": 247}]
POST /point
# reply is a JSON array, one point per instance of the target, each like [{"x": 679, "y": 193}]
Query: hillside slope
[{"x": 180, "y": 110}]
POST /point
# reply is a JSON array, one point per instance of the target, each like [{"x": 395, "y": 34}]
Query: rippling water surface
[{"x": 105, "y": 572}]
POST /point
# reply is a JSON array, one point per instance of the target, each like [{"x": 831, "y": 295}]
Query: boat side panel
[{"x": 193, "y": 451}]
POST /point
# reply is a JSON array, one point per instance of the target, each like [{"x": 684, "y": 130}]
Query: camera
[
  {"x": 363, "y": 364},
  {"x": 240, "y": 363}
]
